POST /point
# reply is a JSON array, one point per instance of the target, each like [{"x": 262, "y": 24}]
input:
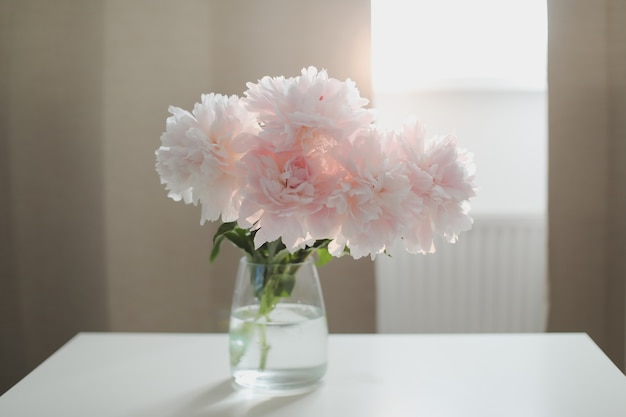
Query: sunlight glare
[{"x": 458, "y": 44}]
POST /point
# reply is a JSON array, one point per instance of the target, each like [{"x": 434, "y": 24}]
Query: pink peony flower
[
  {"x": 299, "y": 160},
  {"x": 311, "y": 111},
  {"x": 442, "y": 176},
  {"x": 283, "y": 191},
  {"x": 198, "y": 153},
  {"x": 372, "y": 198},
  {"x": 453, "y": 172}
]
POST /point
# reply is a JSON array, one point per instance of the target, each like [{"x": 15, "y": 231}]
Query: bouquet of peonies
[{"x": 297, "y": 166}]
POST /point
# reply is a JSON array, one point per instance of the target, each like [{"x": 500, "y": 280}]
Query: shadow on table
[{"x": 225, "y": 399}]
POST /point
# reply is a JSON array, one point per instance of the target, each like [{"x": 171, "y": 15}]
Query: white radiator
[{"x": 492, "y": 280}]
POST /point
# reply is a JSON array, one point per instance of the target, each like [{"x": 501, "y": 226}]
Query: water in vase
[{"x": 288, "y": 350}]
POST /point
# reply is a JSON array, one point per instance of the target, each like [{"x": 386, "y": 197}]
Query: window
[
  {"x": 477, "y": 69},
  {"x": 458, "y": 44}
]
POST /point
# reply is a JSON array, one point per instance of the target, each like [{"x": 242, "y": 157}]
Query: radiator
[{"x": 492, "y": 280}]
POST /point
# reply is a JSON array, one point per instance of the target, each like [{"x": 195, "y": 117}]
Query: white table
[{"x": 156, "y": 375}]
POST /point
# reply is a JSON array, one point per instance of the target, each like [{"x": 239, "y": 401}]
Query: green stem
[
  {"x": 278, "y": 280},
  {"x": 265, "y": 308},
  {"x": 270, "y": 297},
  {"x": 265, "y": 348}
]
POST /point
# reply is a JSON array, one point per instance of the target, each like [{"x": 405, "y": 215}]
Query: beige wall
[
  {"x": 155, "y": 55},
  {"x": 11, "y": 340},
  {"x": 88, "y": 238},
  {"x": 53, "y": 262},
  {"x": 587, "y": 170},
  {"x": 617, "y": 172}
]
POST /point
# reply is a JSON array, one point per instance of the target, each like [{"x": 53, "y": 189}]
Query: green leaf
[
  {"x": 218, "y": 238},
  {"x": 323, "y": 256},
  {"x": 224, "y": 227},
  {"x": 217, "y": 241},
  {"x": 281, "y": 257},
  {"x": 241, "y": 238},
  {"x": 285, "y": 286}
]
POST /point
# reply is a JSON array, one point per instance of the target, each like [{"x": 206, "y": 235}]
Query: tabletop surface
[{"x": 158, "y": 375}]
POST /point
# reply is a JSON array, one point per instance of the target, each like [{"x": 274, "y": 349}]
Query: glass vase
[{"x": 278, "y": 332}]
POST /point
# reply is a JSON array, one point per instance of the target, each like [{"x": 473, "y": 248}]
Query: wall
[
  {"x": 11, "y": 339},
  {"x": 617, "y": 187},
  {"x": 587, "y": 178},
  {"x": 53, "y": 261},
  {"x": 89, "y": 241},
  {"x": 158, "y": 277}
]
